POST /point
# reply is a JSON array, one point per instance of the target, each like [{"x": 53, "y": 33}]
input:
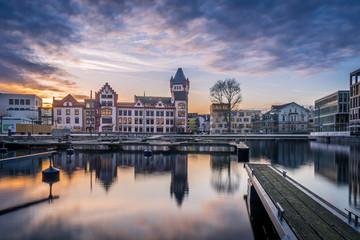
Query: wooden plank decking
[{"x": 307, "y": 218}]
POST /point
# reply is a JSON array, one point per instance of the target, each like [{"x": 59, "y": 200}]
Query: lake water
[{"x": 167, "y": 196}]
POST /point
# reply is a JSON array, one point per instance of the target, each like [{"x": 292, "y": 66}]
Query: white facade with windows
[
  {"x": 68, "y": 113},
  {"x": 240, "y": 121}
]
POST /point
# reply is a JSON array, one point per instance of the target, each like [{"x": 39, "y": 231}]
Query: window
[
  {"x": 140, "y": 113},
  {"x": 58, "y": 111},
  {"x": 125, "y": 113},
  {"x": 125, "y": 120},
  {"x": 152, "y": 113},
  {"x": 167, "y": 114},
  {"x": 181, "y": 122},
  {"x": 67, "y": 111},
  {"x": 27, "y": 102},
  {"x": 107, "y": 120},
  {"x": 103, "y": 96},
  {"x": 136, "y": 112},
  {"x": 109, "y": 96},
  {"x": 147, "y": 113},
  {"x": 106, "y": 111},
  {"x": 67, "y": 120},
  {"x": 22, "y": 102},
  {"x": 110, "y": 103},
  {"x": 181, "y": 105},
  {"x": 129, "y": 120},
  {"x": 129, "y": 113},
  {"x": 76, "y": 111},
  {"x": 11, "y": 101},
  {"x": 120, "y": 112},
  {"x": 136, "y": 120},
  {"x": 16, "y": 101},
  {"x": 76, "y": 120},
  {"x": 120, "y": 120},
  {"x": 88, "y": 121},
  {"x": 181, "y": 114},
  {"x": 171, "y": 114},
  {"x": 248, "y": 114},
  {"x": 58, "y": 120},
  {"x": 103, "y": 103}
]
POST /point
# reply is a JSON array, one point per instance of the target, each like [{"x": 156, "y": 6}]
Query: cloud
[
  {"x": 30, "y": 30},
  {"x": 41, "y": 38}
]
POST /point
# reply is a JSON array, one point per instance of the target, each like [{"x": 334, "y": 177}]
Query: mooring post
[
  {"x": 349, "y": 217},
  {"x": 284, "y": 174},
  {"x": 252, "y": 172},
  {"x": 356, "y": 220},
  {"x": 280, "y": 211}
]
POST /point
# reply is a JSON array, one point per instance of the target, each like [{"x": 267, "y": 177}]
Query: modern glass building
[
  {"x": 355, "y": 97},
  {"x": 332, "y": 112}
]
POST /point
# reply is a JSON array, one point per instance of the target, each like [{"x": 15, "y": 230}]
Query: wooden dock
[{"x": 304, "y": 215}]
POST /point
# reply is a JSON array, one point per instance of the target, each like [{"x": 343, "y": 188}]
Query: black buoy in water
[
  {"x": 70, "y": 151},
  {"x": 51, "y": 174},
  {"x": 3, "y": 149},
  {"x": 147, "y": 153}
]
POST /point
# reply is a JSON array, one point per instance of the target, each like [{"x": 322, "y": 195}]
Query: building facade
[
  {"x": 332, "y": 112},
  {"x": 18, "y": 108},
  {"x": 150, "y": 114},
  {"x": 287, "y": 118},
  {"x": 241, "y": 120},
  {"x": 68, "y": 113},
  {"x": 355, "y": 97}
]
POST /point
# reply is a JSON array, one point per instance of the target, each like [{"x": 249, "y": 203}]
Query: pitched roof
[
  {"x": 151, "y": 101},
  {"x": 179, "y": 76},
  {"x": 279, "y": 107}
]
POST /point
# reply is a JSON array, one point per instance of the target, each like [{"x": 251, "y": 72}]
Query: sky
[{"x": 279, "y": 51}]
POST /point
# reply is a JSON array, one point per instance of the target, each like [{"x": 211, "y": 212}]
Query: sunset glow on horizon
[{"x": 279, "y": 51}]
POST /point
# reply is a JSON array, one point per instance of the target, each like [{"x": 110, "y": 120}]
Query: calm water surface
[{"x": 179, "y": 196}]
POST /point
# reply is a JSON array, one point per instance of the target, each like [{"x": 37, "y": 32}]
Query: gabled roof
[
  {"x": 152, "y": 101},
  {"x": 179, "y": 77},
  {"x": 67, "y": 98},
  {"x": 279, "y": 107}
]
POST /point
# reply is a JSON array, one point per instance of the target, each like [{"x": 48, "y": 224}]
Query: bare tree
[{"x": 227, "y": 93}]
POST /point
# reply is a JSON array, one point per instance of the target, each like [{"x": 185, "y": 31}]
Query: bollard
[
  {"x": 356, "y": 220},
  {"x": 280, "y": 211},
  {"x": 252, "y": 172},
  {"x": 349, "y": 217},
  {"x": 284, "y": 174}
]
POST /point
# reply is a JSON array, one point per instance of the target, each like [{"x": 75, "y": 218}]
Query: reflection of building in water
[
  {"x": 106, "y": 169},
  {"x": 291, "y": 154},
  {"x": 179, "y": 187},
  {"x": 354, "y": 176},
  {"x": 70, "y": 164},
  {"x": 25, "y": 167},
  {"x": 331, "y": 161},
  {"x": 224, "y": 178},
  {"x": 157, "y": 163}
]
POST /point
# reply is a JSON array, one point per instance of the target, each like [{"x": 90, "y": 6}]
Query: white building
[
  {"x": 18, "y": 108},
  {"x": 240, "y": 120},
  {"x": 68, "y": 113}
]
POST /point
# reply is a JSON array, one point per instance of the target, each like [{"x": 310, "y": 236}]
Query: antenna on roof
[{"x": 144, "y": 93}]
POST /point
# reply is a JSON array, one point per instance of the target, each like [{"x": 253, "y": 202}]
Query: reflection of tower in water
[
  {"x": 106, "y": 169},
  {"x": 179, "y": 187},
  {"x": 224, "y": 179},
  {"x": 354, "y": 177}
]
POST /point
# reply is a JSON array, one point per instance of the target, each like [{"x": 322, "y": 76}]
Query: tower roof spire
[{"x": 179, "y": 76}]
